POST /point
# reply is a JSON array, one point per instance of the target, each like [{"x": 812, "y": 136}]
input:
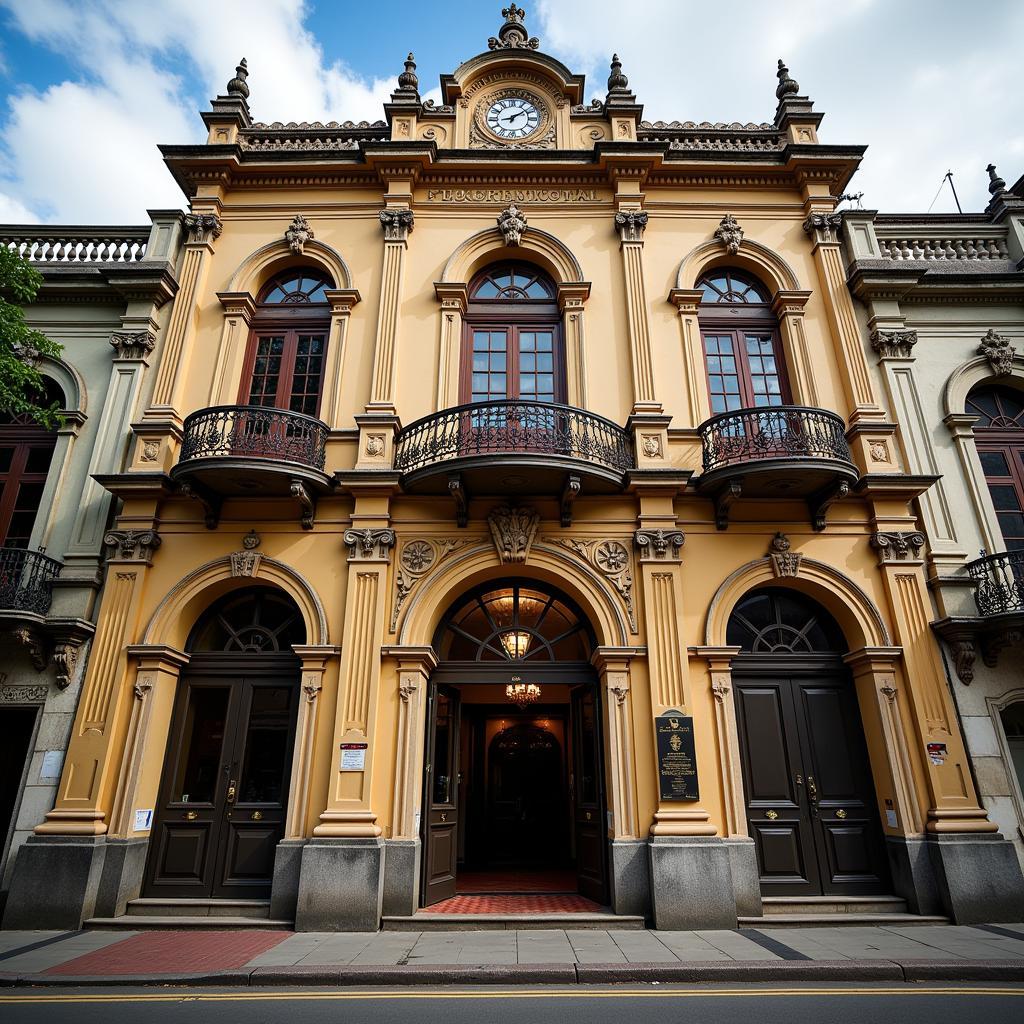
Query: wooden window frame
[
  {"x": 1009, "y": 441},
  {"x": 23, "y": 438}
]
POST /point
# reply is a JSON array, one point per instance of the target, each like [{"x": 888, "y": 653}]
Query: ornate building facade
[
  {"x": 105, "y": 297},
  {"x": 941, "y": 302},
  {"x": 526, "y": 502}
]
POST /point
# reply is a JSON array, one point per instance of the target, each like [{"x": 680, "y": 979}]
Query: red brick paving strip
[
  {"x": 171, "y": 952},
  {"x": 540, "y": 904}
]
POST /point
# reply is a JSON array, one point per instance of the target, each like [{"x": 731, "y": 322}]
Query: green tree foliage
[{"x": 21, "y": 348}]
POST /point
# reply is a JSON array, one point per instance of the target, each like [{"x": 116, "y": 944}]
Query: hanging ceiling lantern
[
  {"x": 516, "y": 643},
  {"x": 522, "y": 694}
]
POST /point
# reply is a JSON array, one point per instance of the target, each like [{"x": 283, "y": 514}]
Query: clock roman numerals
[{"x": 512, "y": 118}]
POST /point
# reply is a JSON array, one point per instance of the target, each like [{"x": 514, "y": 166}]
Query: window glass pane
[
  {"x": 1005, "y": 498},
  {"x": 199, "y": 766},
  {"x": 266, "y": 745},
  {"x": 38, "y": 460},
  {"x": 994, "y": 464},
  {"x": 6, "y": 455},
  {"x": 443, "y": 742},
  {"x": 487, "y": 291}
]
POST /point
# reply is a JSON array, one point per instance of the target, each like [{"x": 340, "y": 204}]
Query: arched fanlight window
[
  {"x": 999, "y": 434},
  {"x": 288, "y": 343},
  {"x": 514, "y": 623},
  {"x": 256, "y": 621},
  {"x": 777, "y": 621},
  {"x": 516, "y": 282},
  {"x": 742, "y": 351}
]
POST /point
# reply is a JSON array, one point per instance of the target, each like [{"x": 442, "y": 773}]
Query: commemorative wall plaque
[{"x": 677, "y": 762}]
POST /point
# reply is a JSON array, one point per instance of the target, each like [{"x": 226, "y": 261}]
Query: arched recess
[
  {"x": 751, "y": 256},
  {"x": 962, "y": 381},
  {"x": 856, "y": 613},
  {"x": 260, "y": 266},
  {"x": 486, "y": 247},
  {"x": 178, "y": 612},
  {"x": 71, "y": 383},
  {"x": 437, "y": 591}
]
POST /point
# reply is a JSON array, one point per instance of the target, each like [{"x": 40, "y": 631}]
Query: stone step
[
  {"x": 142, "y": 922},
  {"x": 846, "y": 920},
  {"x": 427, "y": 922},
  {"x": 165, "y": 907},
  {"x": 826, "y": 905}
]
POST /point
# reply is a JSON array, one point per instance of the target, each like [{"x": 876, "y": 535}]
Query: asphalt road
[{"x": 655, "y": 1004}]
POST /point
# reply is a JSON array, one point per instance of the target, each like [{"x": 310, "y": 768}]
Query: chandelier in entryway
[{"x": 522, "y": 694}]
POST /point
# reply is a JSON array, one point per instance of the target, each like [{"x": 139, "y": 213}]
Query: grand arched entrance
[
  {"x": 810, "y": 799},
  {"x": 224, "y": 788},
  {"x": 513, "y": 780}
]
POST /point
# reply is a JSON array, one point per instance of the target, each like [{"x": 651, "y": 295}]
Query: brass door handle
[
  {"x": 232, "y": 789},
  {"x": 812, "y": 792},
  {"x": 190, "y": 815}
]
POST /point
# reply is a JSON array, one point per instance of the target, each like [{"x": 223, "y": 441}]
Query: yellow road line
[{"x": 249, "y": 995}]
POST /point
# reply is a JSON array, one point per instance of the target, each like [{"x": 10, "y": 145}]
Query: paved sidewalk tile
[
  {"x": 592, "y": 946},
  {"x": 337, "y": 948},
  {"x": 544, "y": 947},
  {"x": 855, "y": 943},
  {"x": 39, "y": 960},
  {"x": 732, "y": 944},
  {"x": 290, "y": 951},
  {"x": 14, "y": 940},
  {"x": 390, "y": 948},
  {"x": 807, "y": 941},
  {"x": 964, "y": 941},
  {"x": 643, "y": 948}
]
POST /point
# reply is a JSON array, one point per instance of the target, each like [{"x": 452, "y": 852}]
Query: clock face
[{"x": 513, "y": 117}]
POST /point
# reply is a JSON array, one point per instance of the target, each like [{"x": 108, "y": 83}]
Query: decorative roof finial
[
  {"x": 408, "y": 80},
  {"x": 787, "y": 86},
  {"x": 512, "y": 35},
  {"x": 238, "y": 85},
  {"x": 617, "y": 81},
  {"x": 995, "y": 183}
]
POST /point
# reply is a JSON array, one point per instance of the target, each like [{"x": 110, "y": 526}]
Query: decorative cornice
[
  {"x": 297, "y": 234},
  {"x": 730, "y": 234},
  {"x": 894, "y": 344},
  {"x": 823, "y": 227},
  {"x": 397, "y": 224},
  {"x": 896, "y": 546},
  {"x": 659, "y": 545},
  {"x": 631, "y": 225},
  {"x": 999, "y": 352},
  {"x": 132, "y": 344},
  {"x": 132, "y": 545},
  {"x": 512, "y": 224},
  {"x": 369, "y": 545},
  {"x": 202, "y": 227}
]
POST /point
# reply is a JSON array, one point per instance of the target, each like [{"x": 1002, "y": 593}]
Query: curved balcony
[
  {"x": 512, "y": 447},
  {"x": 1000, "y": 583},
  {"x": 26, "y": 578},
  {"x": 252, "y": 451},
  {"x": 784, "y": 451}
]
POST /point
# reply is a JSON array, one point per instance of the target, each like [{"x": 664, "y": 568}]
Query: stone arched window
[
  {"x": 777, "y": 621},
  {"x": 999, "y": 434},
  {"x": 287, "y": 348},
  {"x": 512, "y": 340},
  {"x": 255, "y": 621},
  {"x": 742, "y": 351}
]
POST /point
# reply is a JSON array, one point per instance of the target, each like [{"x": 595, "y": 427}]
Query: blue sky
[{"x": 90, "y": 88}]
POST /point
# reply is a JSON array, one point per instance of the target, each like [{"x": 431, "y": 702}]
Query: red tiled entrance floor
[
  {"x": 153, "y": 953},
  {"x": 533, "y": 904},
  {"x": 515, "y": 881}
]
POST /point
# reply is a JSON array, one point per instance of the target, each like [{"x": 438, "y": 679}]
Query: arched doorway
[
  {"x": 224, "y": 790},
  {"x": 513, "y": 780},
  {"x": 810, "y": 799}
]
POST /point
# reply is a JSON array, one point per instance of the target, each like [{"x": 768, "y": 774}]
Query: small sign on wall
[
  {"x": 353, "y": 757},
  {"x": 143, "y": 819},
  {"x": 53, "y": 760},
  {"x": 677, "y": 761},
  {"x": 937, "y": 753}
]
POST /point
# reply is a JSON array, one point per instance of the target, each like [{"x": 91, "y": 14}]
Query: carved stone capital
[
  {"x": 659, "y": 545},
  {"x": 369, "y": 545},
  {"x": 397, "y": 224},
  {"x": 894, "y": 344},
  {"x": 132, "y": 344},
  {"x": 631, "y": 225},
  {"x": 897, "y": 546},
  {"x": 132, "y": 545},
  {"x": 513, "y": 529},
  {"x": 297, "y": 234},
  {"x": 202, "y": 227},
  {"x": 823, "y": 227},
  {"x": 730, "y": 234},
  {"x": 784, "y": 561},
  {"x": 512, "y": 224},
  {"x": 999, "y": 352}
]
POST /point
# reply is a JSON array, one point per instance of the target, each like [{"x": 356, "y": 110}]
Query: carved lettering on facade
[{"x": 509, "y": 196}]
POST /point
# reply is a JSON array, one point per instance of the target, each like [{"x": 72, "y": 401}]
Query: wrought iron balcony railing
[
  {"x": 254, "y": 432},
  {"x": 784, "y": 432},
  {"x": 1000, "y": 582},
  {"x": 25, "y": 580},
  {"x": 513, "y": 427},
  {"x": 66, "y": 245}
]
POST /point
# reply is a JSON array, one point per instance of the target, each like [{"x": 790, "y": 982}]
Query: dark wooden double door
[
  {"x": 536, "y": 798},
  {"x": 810, "y": 799},
  {"x": 224, "y": 791}
]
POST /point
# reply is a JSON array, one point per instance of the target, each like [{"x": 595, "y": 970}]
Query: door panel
[
  {"x": 440, "y": 805},
  {"x": 587, "y": 792}
]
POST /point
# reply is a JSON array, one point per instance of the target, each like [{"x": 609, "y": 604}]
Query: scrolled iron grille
[
  {"x": 256, "y": 432},
  {"x": 26, "y": 578},
  {"x": 492, "y": 428},
  {"x": 776, "y": 432},
  {"x": 1000, "y": 582}
]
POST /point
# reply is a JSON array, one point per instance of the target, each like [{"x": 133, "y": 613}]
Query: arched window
[
  {"x": 778, "y": 621},
  {"x": 999, "y": 433},
  {"x": 26, "y": 449},
  {"x": 255, "y": 621},
  {"x": 514, "y": 623},
  {"x": 512, "y": 345},
  {"x": 285, "y": 359},
  {"x": 742, "y": 353}
]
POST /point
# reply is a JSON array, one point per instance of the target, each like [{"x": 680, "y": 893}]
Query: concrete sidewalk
[{"x": 255, "y": 957}]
